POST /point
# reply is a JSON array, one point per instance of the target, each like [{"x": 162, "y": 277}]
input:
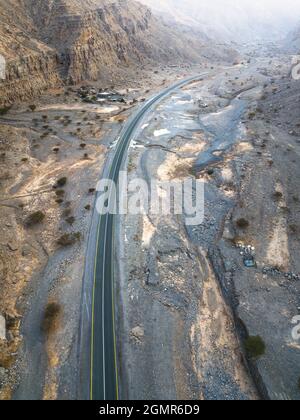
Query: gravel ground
[{"x": 188, "y": 300}]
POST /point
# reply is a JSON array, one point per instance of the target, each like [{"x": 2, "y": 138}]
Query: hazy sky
[{"x": 245, "y": 18}]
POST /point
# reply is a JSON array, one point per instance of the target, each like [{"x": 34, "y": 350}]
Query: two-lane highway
[{"x": 103, "y": 349}]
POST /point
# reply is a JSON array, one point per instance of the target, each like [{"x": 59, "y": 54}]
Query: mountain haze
[{"x": 244, "y": 20}]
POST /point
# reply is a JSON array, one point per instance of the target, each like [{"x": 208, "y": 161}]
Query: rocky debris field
[{"x": 215, "y": 302}]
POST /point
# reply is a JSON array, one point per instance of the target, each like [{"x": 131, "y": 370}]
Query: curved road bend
[{"x": 103, "y": 370}]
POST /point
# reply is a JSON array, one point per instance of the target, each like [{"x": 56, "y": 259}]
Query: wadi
[{"x": 149, "y": 200}]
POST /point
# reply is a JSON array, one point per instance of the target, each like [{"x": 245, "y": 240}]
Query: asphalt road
[{"x": 103, "y": 357}]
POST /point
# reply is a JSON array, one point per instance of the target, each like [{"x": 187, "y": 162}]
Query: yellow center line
[{"x": 134, "y": 123}]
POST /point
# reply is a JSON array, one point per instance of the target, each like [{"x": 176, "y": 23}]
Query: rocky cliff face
[
  {"x": 95, "y": 39},
  {"x": 31, "y": 65},
  {"x": 46, "y": 42}
]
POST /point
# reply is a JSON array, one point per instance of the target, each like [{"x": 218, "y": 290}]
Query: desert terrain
[{"x": 203, "y": 312}]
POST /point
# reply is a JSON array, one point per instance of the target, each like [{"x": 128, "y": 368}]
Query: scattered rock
[
  {"x": 12, "y": 246},
  {"x": 138, "y": 334}
]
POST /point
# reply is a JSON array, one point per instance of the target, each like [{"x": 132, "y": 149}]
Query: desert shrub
[
  {"x": 69, "y": 239},
  {"x": 59, "y": 201},
  {"x": 255, "y": 347},
  {"x": 35, "y": 218},
  {"x": 88, "y": 207},
  {"x": 70, "y": 220},
  {"x": 4, "y": 110},
  {"x": 278, "y": 195},
  {"x": 92, "y": 190},
  {"x": 294, "y": 229},
  {"x": 60, "y": 193},
  {"x": 67, "y": 212},
  {"x": 83, "y": 145},
  {"x": 32, "y": 108},
  {"x": 56, "y": 149},
  {"x": 61, "y": 182},
  {"x": 242, "y": 223},
  {"x": 50, "y": 317},
  {"x": 210, "y": 171}
]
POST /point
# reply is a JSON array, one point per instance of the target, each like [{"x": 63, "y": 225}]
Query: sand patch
[
  {"x": 175, "y": 168},
  {"x": 278, "y": 249},
  {"x": 148, "y": 232},
  {"x": 243, "y": 147},
  {"x": 162, "y": 132}
]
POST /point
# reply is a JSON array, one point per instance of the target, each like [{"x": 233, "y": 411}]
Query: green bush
[
  {"x": 70, "y": 220},
  {"x": 278, "y": 195},
  {"x": 50, "y": 318},
  {"x": 67, "y": 212},
  {"x": 242, "y": 223},
  {"x": 62, "y": 181},
  {"x": 60, "y": 193},
  {"x": 255, "y": 347},
  {"x": 35, "y": 218},
  {"x": 4, "y": 110},
  {"x": 210, "y": 171},
  {"x": 69, "y": 239}
]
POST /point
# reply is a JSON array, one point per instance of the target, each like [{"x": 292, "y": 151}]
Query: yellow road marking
[
  {"x": 93, "y": 311},
  {"x": 113, "y": 315}
]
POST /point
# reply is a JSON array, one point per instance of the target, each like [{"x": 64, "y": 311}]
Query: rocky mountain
[
  {"x": 31, "y": 65},
  {"x": 46, "y": 42}
]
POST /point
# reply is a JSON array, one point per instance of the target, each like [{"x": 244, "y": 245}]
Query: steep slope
[
  {"x": 46, "y": 42},
  {"x": 99, "y": 35},
  {"x": 31, "y": 66}
]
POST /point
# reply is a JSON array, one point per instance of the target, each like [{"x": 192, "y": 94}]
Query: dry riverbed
[{"x": 191, "y": 309}]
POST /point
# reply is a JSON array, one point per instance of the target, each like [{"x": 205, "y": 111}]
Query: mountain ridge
[{"x": 47, "y": 43}]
